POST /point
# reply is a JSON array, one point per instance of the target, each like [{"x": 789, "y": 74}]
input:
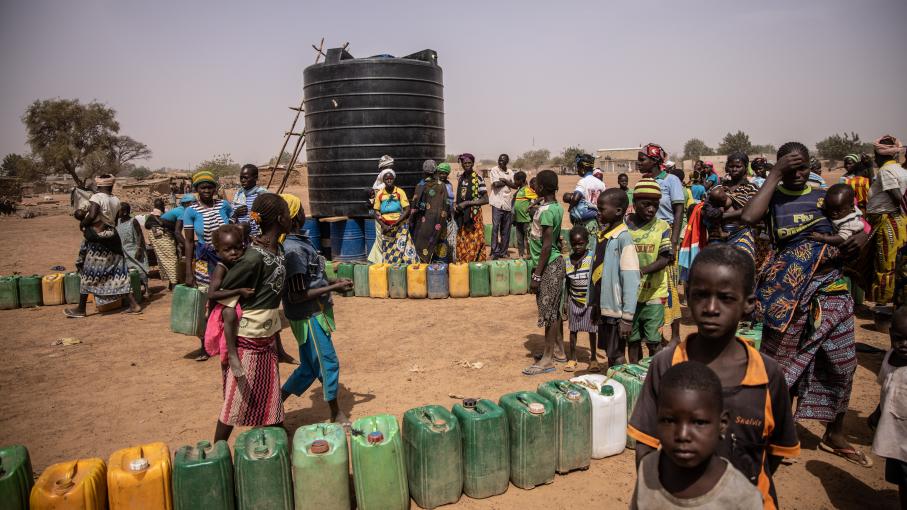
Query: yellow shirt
[{"x": 390, "y": 205}]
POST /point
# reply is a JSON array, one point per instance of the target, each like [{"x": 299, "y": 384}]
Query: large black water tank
[{"x": 358, "y": 109}]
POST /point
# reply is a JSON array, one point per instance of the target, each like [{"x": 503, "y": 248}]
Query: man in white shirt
[
  {"x": 501, "y": 200},
  {"x": 589, "y": 185}
]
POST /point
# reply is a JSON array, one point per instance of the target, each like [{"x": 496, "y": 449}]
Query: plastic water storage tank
[{"x": 358, "y": 109}]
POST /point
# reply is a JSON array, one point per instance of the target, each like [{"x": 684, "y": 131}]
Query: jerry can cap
[
  {"x": 573, "y": 395},
  {"x": 375, "y": 437},
  {"x": 607, "y": 390},
  {"x": 319, "y": 446},
  {"x": 536, "y": 408},
  {"x": 470, "y": 403},
  {"x": 139, "y": 464}
]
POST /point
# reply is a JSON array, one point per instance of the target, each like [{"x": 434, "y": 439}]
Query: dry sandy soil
[{"x": 130, "y": 381}]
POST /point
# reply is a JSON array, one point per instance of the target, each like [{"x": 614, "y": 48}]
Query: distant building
[{"x": 621, "y": 160}]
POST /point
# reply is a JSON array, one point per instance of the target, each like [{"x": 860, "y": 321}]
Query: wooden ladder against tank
[{"x": 300, "y": 135}]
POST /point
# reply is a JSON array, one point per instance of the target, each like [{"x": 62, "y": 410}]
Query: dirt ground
[{"x": 130, "y": 381}]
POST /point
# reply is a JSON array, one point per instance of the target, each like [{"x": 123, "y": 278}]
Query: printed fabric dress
[
  {"x": 470, "y": 227},
  {"x": 395, "y": 244},
  {"x": 255, "y": 400},
  {"x": 431, "y": 215}
]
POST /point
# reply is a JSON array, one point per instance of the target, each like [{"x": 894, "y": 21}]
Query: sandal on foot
[
  {"x": 202, "y": 357},
  {"x": 538, "y": 357},
  {"x": 850, "y": 454},
  {"x": 570, "y": 366},
  {"x": 594, "y": 367},
  {"x": 71, "y": 314},
  {"x": 536, "y": 370}
]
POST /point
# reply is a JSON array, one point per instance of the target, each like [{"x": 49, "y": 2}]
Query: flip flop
[
  {"x": 537, "y": 357},
  {"x": 202, "y": 357},
  {"x": 73, "y": 315},
  {"x": 594, "y": 367},
  {"x": 536, "y": 370},
  {"x": 570, "y": 366},
  {"x": 852, "y": 455}
]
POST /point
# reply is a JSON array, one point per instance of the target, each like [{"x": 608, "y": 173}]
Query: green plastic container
[
  {"x": 519, "y": 276},
  {"x": 488, "y": 230},
  {"x": 135, "y": 283},
  {"x": 379, "y": 472},
  {"x": 631, "y": 378},
  {"x": 396, "y": 281},
  {"x": 187, "y": 311},
  {"x": 432, "y": 448},
  {"x": 16, "y": 477},
  {"x": 72, "y": 284},
  {"x": 486, "y": 451},
  {"x": 321, "y": 467},
  {"x": 360, "y": 280},
  {"x": 573, "y": 424},
  {"x": 752, "y": 334},
  {"x": 345, "y": 271},
  {"x": 479, "y": 279},
  {"x": 263, "y": 479},
  {"x": 499, "y": 274},
  {"x": 329, "y": 272},
  {"x": 530, "y": 268},
  {"x": 512, "y": 243},
  {"x": 30, "y": 291},
  {"x": 533, "y": 458},
  {"x": 9, "y": 292},
  {"x": 203, "y": 477}
]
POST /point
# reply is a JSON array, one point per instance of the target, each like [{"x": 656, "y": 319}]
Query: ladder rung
[
  {"x": 286, "y": 133},
  {"x": 295, "y": 109}
]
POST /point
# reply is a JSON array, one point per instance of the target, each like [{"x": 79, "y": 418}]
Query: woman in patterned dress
[{"x": 471, "y": 196}]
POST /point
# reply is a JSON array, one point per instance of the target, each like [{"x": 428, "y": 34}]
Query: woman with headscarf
[
  {"x": 885, "y": 212},
  {"x": 200, "y": 220},
  {"x": 471, "y": 196},
  {"x": 710, "y": 176},
  {"x": 167, "y": 238},
  {"x": 431, "y": 213},
  {"x": 392, "y": 211},
  {"x": 858, "y": 175},
  {"x": 133, "y": 243},
  {"x": 739, "y": 190}
]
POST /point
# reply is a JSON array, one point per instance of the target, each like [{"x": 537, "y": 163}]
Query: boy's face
[
  {"x": 623, "y": 181},
  {"x": 645, "y": 208},
  {"x": 899, "y": 335},
  {"x": 689, "y": 426},
  {"x": 519, "y": 181},
  {"x": 579, "y": 243},
  {"x": 231, "y": 248},
  {"x": 608, "y": 213},
  {"x": 717, "y": 301},
  {"x": 248, "y": 178},
  {"x": 836, "y": 206}
]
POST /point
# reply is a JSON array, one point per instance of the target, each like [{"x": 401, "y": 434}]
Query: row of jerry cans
[
  {"x": 434, "y": 281},
  {"x": 477, "y": 448},
  {"x": 54, "y": 289}
]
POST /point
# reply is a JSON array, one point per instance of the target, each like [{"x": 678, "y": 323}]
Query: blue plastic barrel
[
  {"x": 437, "y": 280},
  {"x": 313, "y": 229},
  {"x": 347, "y": 241},
  {"x": 369, "y": 230}
]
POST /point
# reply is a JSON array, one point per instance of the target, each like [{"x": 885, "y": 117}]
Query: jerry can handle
[{"x": 522, "y": 400}]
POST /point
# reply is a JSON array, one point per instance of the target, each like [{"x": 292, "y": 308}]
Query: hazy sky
[{"x": 192, "y": 79}]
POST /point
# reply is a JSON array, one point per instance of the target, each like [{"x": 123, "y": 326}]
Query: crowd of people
[{"x": 765, "y": 243}]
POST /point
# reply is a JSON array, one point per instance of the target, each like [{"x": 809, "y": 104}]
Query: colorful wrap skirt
[
  {"x": 254, "y": 401},
  {"x": 103, "y": 272},
  {"x": 889, "y": 236},
  {"x": 550, "y": 295}
]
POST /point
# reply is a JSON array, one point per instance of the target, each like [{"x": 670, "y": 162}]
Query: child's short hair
[
  {"x": 579, "y": 230},
  {"x": 693, "y": 375},
  {"x": 728, "y": 256},
  {"x": 547, "y": 180},
  {"x": 567, "y": 198},
  {"x": 229, "y": 228},
  {"x": 519, "y": 176},
  {"x": 616, "y": 197},
  {"x": 842, "y": 191},
  {"x": 623, "y": 174}
]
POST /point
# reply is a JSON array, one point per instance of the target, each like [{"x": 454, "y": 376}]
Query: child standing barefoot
[
  {"x": 252, "y": 391},
  {"x": 307, "y": 303},
  {"x": 888, "y": 420},
  {"x": 548, "y": 278},
  {"x": 687, "y": 472},
  {"x": 579, "y": 312}
]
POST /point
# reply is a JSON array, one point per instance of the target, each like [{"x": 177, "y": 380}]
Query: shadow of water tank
[{"x": 358, "y": 109}]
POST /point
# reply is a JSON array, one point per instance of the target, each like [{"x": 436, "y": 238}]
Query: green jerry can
[
  {"x": 396, "y": 281},
  {"x": 330, "y": 273},
  {"x": 16, "y": 477},
  {"x": 572, "y": 424},
  {"x": 30, "y": 291},
  {"x": 135, "y": 283},
  {"x": 9, "y": 292},
  {"x": 486, "y": 452},
  {"x": 187, "y": 311},
  {"x": 203, "y": 477},
  {"x": 360, "y": 280},
  {"x": 379, "y": 473},
  {"x": 263, "y": 479},
  {"x": 752, "y": 334},
  {"x": 488, "y": 230},
  {"x": 345, "y": 271},
  {"x": 321, "y": 467},
  {"x": 533, "y": 457},
  {"x": 530, "y": 268},
  {"x": 479, "y": 279},
  {"x": 72, "y": 284},
  {"x": 519, "y": 276},
  {"x": 631, "y": 377},
  {"x": 432, "y": 448},
  {"x": 499, "y": 274}
]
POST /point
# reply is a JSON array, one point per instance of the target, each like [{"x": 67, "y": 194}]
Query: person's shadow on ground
[
  {"x": 846, "y": 491},
  {"x": 319, "y": 411}
]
